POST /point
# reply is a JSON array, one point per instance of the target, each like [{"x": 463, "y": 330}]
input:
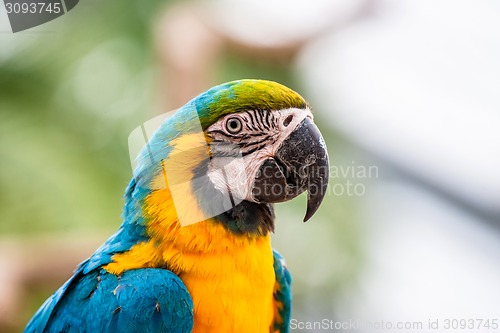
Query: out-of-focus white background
[{"x": 406, "y": 92}]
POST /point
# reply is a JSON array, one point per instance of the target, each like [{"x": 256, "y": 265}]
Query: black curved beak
[{"x": 301, "y": 163}]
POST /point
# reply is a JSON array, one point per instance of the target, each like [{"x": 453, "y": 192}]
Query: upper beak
[{"x": 300, "y": 163}]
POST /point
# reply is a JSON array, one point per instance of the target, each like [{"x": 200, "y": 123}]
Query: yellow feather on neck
[{"x": 230, "y": 277}]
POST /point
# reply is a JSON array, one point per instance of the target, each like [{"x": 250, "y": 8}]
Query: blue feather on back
[{"x": 141, "y": 300}]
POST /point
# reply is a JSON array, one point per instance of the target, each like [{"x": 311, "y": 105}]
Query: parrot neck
[
  {"x": 214, "y": 263},
  {"x": 216, "y": 256},
  {"x": 186, "y": 216},
  {"x": 163, "y": 238}
]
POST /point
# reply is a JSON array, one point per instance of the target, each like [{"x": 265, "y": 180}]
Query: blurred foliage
[{"x": 68, "y": 100}]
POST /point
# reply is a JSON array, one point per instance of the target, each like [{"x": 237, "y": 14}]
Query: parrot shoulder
[{"x": 140, "y": 300}]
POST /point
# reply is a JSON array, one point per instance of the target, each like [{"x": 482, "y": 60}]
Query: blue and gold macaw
[{"x": 194, "y": 252}]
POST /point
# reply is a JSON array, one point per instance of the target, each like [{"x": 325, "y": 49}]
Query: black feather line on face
[{"x": 243, "y": 218}]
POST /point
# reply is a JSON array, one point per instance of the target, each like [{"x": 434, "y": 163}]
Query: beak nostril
[{"x": 287, "y": 120}]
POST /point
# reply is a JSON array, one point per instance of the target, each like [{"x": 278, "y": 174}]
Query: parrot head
[{"x": 233, "y": 151}]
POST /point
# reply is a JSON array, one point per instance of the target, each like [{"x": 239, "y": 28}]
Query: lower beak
[{"x": 300, "y": 164}]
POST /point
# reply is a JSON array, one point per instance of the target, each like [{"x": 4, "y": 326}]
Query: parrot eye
[{"x": 234, "y": 125}]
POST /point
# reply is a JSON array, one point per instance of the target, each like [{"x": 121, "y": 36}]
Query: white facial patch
[{"x": 235, "y": 174}]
